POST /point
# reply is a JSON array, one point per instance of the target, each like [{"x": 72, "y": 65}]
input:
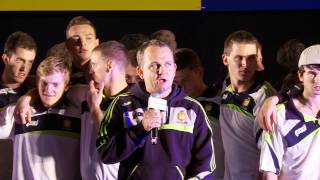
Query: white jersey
[
  {"x": 240, "y": 131},
  {"x": 48, "y": 146},
  {"x": 292, "y": 151},
  {"x": 92, "y": 168}
]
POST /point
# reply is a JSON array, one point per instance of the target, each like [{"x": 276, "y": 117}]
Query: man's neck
[
  {"x": 308, "y": 104},
  {"x": 112, "y": 88},
  {"x": 241, "y": 86}
]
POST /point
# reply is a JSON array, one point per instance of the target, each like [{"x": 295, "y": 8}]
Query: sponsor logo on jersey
[
  {"x": 300, "y": 130},
  {"x": 33, "y": 123}
]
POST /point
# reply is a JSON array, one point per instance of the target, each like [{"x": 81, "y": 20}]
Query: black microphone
[{"x": 155, "y": 102}]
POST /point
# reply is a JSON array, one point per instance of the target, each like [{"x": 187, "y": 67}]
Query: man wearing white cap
[{"x": 292, "y": 150}]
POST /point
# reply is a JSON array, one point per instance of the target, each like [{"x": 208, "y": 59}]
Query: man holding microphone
[{"x": 183, "y": 147}]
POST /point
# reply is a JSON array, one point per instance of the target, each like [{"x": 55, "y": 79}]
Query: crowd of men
[{"x": 139, "y": 108}]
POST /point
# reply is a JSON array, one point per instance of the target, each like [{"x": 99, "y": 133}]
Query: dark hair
[
  {"x": 79, "y": 20},
  {"x": 187, "y": 58},
  {"x": 19, "y": 40},
  {"x": 301, "y": 69},
  {"x": 133, "y": 41},
  {"x": 132, "y": 57},
  {"x": 240, "y": 36},
  {"x": 289, "y": 53}
]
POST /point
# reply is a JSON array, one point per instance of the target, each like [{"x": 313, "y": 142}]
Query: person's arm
[
  {"x": 22, "y": 111},
  {"x": 267, "y": 115},
  {"x": 202, "y": 163},
  {"x": 269, "y": 176},
  {"x": 6, "y": 122},
  {"x": 273, "y": 148},
  {"x": 118, "y": 141}
]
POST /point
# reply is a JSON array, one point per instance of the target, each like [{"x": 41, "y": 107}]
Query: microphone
[{"x": 155, "y": 102}]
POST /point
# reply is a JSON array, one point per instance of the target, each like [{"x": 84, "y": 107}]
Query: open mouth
[{"x": 161, "y": 81}]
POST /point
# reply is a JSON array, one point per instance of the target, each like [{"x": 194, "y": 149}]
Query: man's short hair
[
  {"x": 19, "y": 39},
  {"x": 52, "y": 65},
  {"x": 114, "y": 50},
  {"x": 132, "y": 58},
  {"x": 186, "y": 58},
  {"x": 79, "y": 20},
  {"x": 60, "y": 50},
  {"x": 288, "y": 54},
  {"x": 240, "y": 36},
  {"x": 145, "y": 45},
  {"x": 133, "y": 41},
  {"x": 166, "y": 36}
]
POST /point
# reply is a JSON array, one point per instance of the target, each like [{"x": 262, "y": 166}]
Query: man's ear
[
  {"x": 67, "y": 87},
  {"x": 139, "y": 72},
  {"x": 225, "y": 59},
  {"x": 109, "y": 65},
  {"x": 5, "y": 59}
]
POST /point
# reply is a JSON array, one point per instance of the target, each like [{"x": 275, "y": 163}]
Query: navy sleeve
[{"x": 116, "y": 142}]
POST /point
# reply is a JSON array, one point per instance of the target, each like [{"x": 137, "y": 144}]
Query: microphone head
[{"x": 155, "y": 102}]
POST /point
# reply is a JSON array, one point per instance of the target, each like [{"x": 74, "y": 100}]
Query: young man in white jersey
[
  {"x": 47, "y": 147},
  {"x": 292, "y": 150}
]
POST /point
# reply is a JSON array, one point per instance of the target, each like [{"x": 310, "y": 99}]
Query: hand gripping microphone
[{"x": 155, "y": 102}]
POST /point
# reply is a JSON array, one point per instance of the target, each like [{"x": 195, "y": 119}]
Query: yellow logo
[
  {"x": 181, "y": 116},
  {"x": 246, "y": 102}
]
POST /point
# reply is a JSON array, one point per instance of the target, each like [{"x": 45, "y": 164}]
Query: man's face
[
  {"x": 311, "y": 81},
  {"x": 81, "y": 41},
  {"x": 18, "y": 64},
  {"x": 51, "y": 88},
  {"x": 242, "y": 61},
  {"x": 98, "y": 67},
  {"x": 132, "y": 74},
  {"x": 158, "y": 70},
  {"x": 186, "y": 78}
]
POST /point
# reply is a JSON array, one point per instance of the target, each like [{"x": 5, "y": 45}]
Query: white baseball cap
[{"x": 311, "y": 55}]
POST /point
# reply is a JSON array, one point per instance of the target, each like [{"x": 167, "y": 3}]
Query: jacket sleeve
[
  {"x": 115, "y": 141},
  {"x": 202, "y": 162},
  {"x": 6, "y": 122}
]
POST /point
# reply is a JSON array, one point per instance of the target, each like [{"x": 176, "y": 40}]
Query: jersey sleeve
[
  {"x": 112, "y": 131},
  {"x": 266, "y": 91},
  {"x": 272, "y": 151}
]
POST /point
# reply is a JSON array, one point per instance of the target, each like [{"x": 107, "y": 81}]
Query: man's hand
[
  {"x": 268, "y": 114},
  {"x": 94, "y": 100},
  {"x": 22, "y": 111},
  {"x": 151, "y": 119}
]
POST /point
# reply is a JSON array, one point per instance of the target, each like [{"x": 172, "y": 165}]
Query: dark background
[{"x": 202, "y": 31}]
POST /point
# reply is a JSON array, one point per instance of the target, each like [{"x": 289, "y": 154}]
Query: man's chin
[{"x": 20, "y": 80}]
